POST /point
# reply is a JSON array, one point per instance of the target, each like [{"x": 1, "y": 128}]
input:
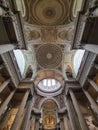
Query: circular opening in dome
[{"x": 49, "y": 85}]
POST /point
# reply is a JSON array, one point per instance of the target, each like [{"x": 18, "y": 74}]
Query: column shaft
[
  {"x": 72, "y": 115},
  {"x": 4, "y": 85},
  {"x": 92, "y": 102},
  {"x": 2, "y": 108},
  {"x": 27, "y": 115},
  {"x": 79, "y": 114},
  {"x": 36, "y": 124},
  {"x": 32, "y": 125},
  {"x": 93, "y": 84},
  {"x": 62, "y": 125},
  {"x": 20, "y": 111},
  {"x": 66, "y": 125}
]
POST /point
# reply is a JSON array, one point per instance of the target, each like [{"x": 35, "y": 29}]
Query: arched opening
[
  {"x": 20, "y": 60},
  {"x": 49, "y": 114},
  {"x": 48, "y": 74},
  {"x": 78, "y": 60}
]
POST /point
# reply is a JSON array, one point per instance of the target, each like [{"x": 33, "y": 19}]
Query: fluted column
[
  {"x": 32, "y": 125},
  {"x": 5, "y": 119},
  {"x": 95, "y": 117},
  {"x": 27, "y": 115},
  {"x": 72, "y": 115},
  {"x": 94, "y": 106},
  {"x": 20, "y": 111},
  {"x": 36, "y": 124},
  {"x": 93, "y": 84},
  {"x": 66, "y": 123},
  {"x": 79, "y": 114},
  {"x": 4, "y": 85},
  {"x": 5, "y": 103},
  {"x": 62, "y": 124}
]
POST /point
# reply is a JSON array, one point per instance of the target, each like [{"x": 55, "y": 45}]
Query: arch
[
  {"x": 45, "y": 99},
  {"x": 48, "y": 74}
]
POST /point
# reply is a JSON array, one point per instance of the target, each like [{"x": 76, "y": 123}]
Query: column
[
  {"x": 2, "y": 108},
  {"x": 36, "y": 124},
  {"x": 3, "y": 86},
  {"x": 79, "y": 114},
  {"x": 27, "y": 115},
  {"x": 20, "y": 111},
  {"x": 72, "y": 115},
  {"x": 93, "y": 84},
  {"x": 94, "y": 106},
  {"x": 32, "y": 124},
  {"x": 66, "y": 123},
  {"x": 62, "y": 124},
  {"x": 5, "y": 119}
]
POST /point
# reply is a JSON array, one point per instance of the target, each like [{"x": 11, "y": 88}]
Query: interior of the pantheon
[{"x": 48, "y": 64}]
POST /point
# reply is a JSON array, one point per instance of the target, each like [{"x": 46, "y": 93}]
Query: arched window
[
  {"x": 20, "y": 60},
  {"x": 77, "y": 60}
]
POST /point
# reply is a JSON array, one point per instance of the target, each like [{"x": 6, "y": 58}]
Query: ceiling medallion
[
  {"x": 49, "y": 12},
  {"x": 49, "y": 56}
]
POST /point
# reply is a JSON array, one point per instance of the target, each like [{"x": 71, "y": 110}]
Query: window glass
[
  {"x": 49, "y": 85},
  {"x": 77, "y": 60},
  {"x": 20, "y": 60}
]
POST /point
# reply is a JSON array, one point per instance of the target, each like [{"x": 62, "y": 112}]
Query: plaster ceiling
[
  {"x": 49, "y": 29},
  {"x": 45, "y": 12},
  {"x": 49, "y": 12}
]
